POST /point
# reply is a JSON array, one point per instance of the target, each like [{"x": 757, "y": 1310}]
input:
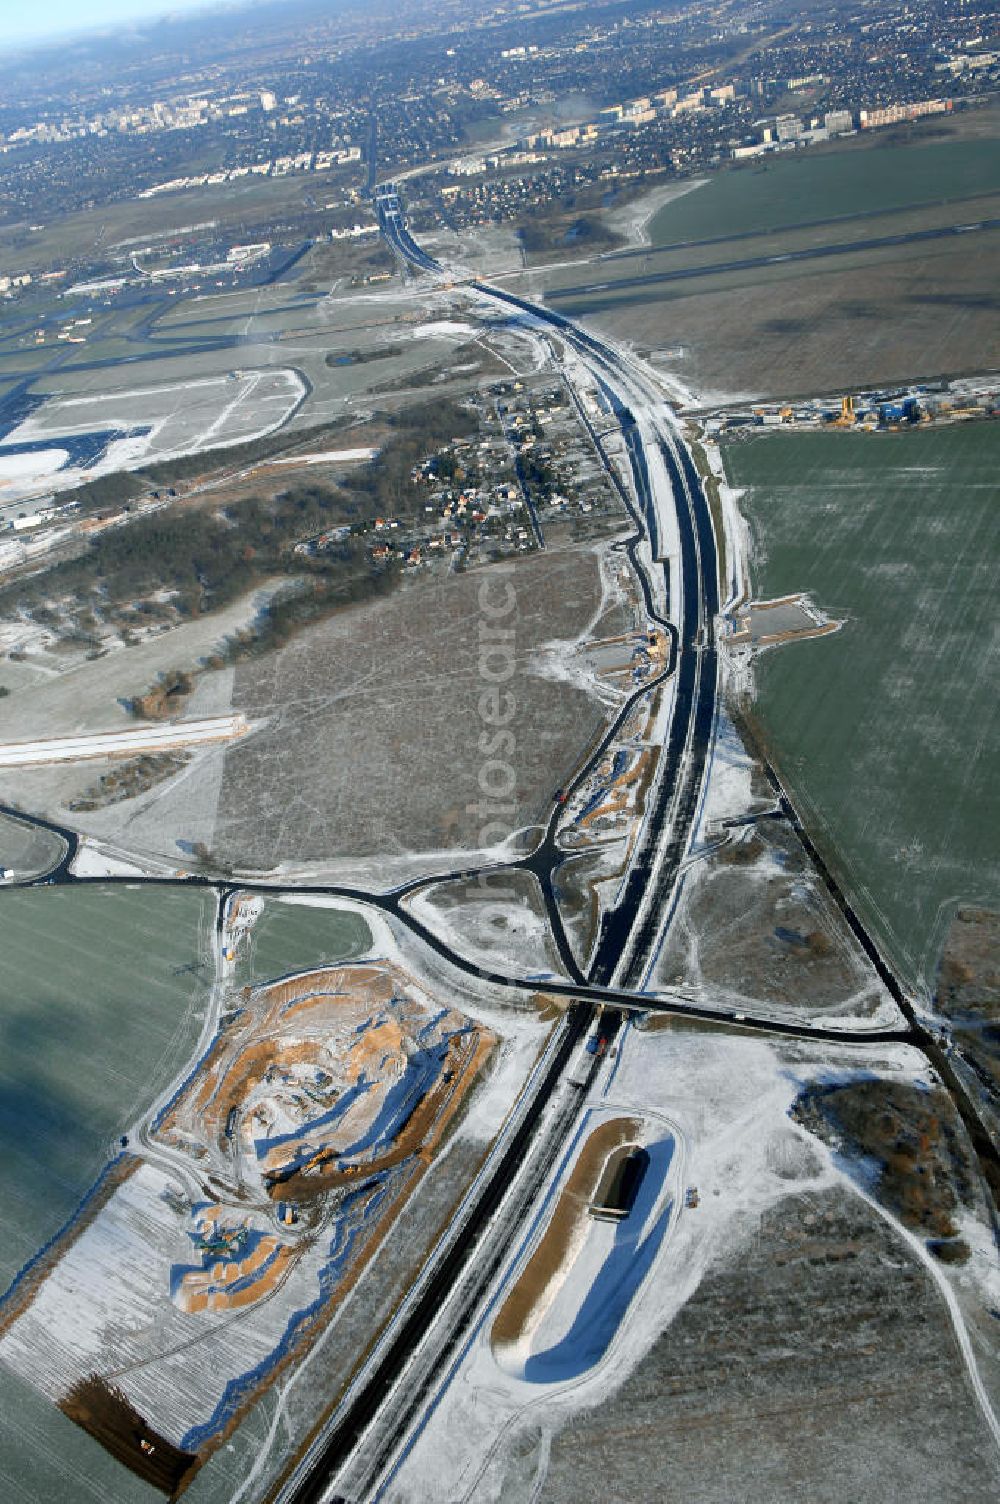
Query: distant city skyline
[{"x": 22, "y": 25}]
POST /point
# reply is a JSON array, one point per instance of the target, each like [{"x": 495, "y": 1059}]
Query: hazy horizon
[{"x": 64, "y": 17}]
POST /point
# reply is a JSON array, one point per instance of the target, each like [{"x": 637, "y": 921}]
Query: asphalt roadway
[
  {"x": 525, "y": 1154},
  {"x": 528, "y": 1157}
]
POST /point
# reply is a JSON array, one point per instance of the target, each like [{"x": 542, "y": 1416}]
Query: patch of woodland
[
  {"x": 912, "y": 1143},
  {"x": 127, "y": 780}
]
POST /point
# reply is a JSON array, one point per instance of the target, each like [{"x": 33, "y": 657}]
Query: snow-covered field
[
  {"x": 445, "y": 329},
  {"x": 725, "y": 1103},
  {"x": 155, "y": 423},
  {"x": 500, "y": 923},
  {"x": 747, "y": 899},
  {"x": 633, "y": 221},
  {"x": 17, "y": 469}
]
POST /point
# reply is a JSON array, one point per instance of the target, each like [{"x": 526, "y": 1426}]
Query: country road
[
  {"x": 355, "y": 1449},
  {"x": 673, "y": 552}
]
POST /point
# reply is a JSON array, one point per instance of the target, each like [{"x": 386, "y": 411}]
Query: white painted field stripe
[
  {"x": 135, "y": 739},
  {"x": 330, "y": 454}
]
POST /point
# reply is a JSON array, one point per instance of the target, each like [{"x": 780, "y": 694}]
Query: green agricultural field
[
  {"x": 769, "y": 193},
  {"x": 888, "y": 732},
  {"x": 293, "y": 937},
  {"x": 95, "y": 1019},
  {"x": 795, "y": 274},
  {"x": 44, "y": 1457}
]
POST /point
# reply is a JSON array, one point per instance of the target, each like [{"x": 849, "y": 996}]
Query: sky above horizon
[{"x": 21, "y": 23}]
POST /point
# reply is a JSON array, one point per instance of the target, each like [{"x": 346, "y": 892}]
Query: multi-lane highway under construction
[
  {"x": 353, "y": 1453},
  {"x": 352, "y": 1456}
]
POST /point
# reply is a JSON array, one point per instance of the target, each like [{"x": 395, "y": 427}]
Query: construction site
[
  {"x": 760, "y": 624},
  {"x": 323, "y": 1081},
  {"x": 603, "y": 812},
  {"x": 888, "y": 409},
  {"x": 219, "y": 1242}
]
